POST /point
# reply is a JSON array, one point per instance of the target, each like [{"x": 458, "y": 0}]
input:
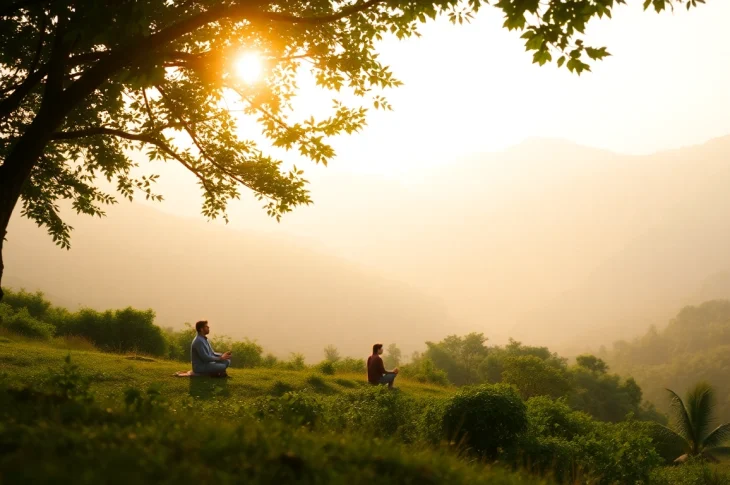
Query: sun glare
[{"x": 249, "y": 67}]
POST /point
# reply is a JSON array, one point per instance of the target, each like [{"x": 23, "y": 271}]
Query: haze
[{"x": 498, "y": 197}]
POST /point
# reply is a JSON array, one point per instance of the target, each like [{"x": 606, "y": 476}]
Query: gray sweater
[{"x": 202, "y": 353}]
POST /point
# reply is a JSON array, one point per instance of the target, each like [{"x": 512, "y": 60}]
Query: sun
[{"x": 249, "y": 67}]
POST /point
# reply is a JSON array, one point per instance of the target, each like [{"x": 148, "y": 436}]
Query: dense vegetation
[
  {"x": 535, "y": 371},
  {"x": 694, "y": 346},
  {"x": 520, "y": 406}
]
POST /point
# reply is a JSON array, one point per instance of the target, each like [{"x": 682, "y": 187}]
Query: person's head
[
  {"x": 377, "y": 349},
  {"x": 202, "y": 327}
]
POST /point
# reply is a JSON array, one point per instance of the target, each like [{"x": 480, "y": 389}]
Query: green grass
[
  {"x": 199, "y": 432},
  {"x": 112, "y": 374}
]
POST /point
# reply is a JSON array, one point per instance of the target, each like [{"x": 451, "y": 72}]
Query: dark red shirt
[{"x": 376, "y": 369}]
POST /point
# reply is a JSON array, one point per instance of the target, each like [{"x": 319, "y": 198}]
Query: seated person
[
  {"x": 204, "y": 360},
  {"x": 376, "y": 369}
]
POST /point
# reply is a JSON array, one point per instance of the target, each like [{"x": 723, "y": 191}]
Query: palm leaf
[
  {"x": 682, "y": 422},
  {"x": 667, "y": 435},
  {"x": 700, "y": 402},
  {"x": 717, "y": 437}
]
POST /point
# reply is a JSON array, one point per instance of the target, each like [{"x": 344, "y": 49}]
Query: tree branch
[
  {"x": 144, "y": 138},
  {"x": 317, "y": 20},
  {"x": 197, "y": 143},
  {"x": 39, "y": 48},
  {"x": 11, "y": 103},
  {"x": 111, "y": 64}
]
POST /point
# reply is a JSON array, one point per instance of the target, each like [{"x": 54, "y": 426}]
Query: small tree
[
  {"x": 392, "y": 356},
  {"x": 331, "y": 354}
]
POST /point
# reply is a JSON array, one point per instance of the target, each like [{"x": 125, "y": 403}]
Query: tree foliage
[
  {"x": 533, "y": 377},
  {"x": 331, "y": 354},
  {"x": 393, "y": 356},
  {"x": 86, "y": 83}
]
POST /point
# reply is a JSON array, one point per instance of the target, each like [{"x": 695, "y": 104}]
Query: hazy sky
[{"x": 472, "y": 89}]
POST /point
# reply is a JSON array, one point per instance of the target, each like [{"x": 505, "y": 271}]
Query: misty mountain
[
  {"x": 287, "y": 296},
  {"x": 548, "y": 242}
]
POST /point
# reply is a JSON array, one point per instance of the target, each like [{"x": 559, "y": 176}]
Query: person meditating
[
  {"x": 204, "y": 360},
  {"x": 376, "y": 369}
]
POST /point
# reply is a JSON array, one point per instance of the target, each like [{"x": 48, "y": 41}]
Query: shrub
[
  {"x": 21, "y": 322},
  {"x": 547, "y": 447},
  {"x": 572, "y": 447},
  {"x": 375, "y": 410},
  {"x": 694, "y": 472},
  {"x": 35, "y": 303},
  {"x": 431, "y": 420},
  {"x": 294, "y": 408},
  {"x": 245, "y": 353},
  {"x": 296, "y": 362},
  {"x": 326, "y": 367},
  {"x": 179, "y": 342},
  {"x": 423, "y": 370},
  {"x": 350, "y": 365},
  {"x": 269, "y": 361},
  {"x": 617, "y": 453},
  {"x": 485, "y": 417},
  {"x": 127, "y": 330}
]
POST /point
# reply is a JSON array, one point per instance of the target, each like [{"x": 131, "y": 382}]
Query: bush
[
  {"x": 295, "y": 362},
  {"x": 179, "y": 342},
  {"x": 431, "y": 420},
  {"x": 350, "y": 365},
  {"x": 21, "y": 322},
  {"x": 326, "y": 367},
  {"x": 246, "y": 354},
  {"x": 572, "y": 447},
  {"x": 423, "y": 370},
  {"x": 694, "y": 472},
  {"x": 485, "y": 418},
  {"x": 294, "y": 408},
  {"x": 269, "y": 361},
  {"x": 35, "y": 303},
  {"x": 127, "y": 330},
  {"x": 375, "y": 411},
  {"x": 617, "y": 453}
]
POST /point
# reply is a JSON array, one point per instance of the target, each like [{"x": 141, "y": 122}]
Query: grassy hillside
[
  {"x": 92, "y": 394},
  {"x": 110, "y": 374},
  {"x": 78, "y": 421},
  {"x": 70, "y": 412}
]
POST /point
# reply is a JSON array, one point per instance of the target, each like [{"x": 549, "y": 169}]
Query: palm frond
[
  {"x": 717, "y": 437},
  {"x": 682, "y": 424},
  {"x": 700, "y": 403},
  {"x": 666, "y": 433}
]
